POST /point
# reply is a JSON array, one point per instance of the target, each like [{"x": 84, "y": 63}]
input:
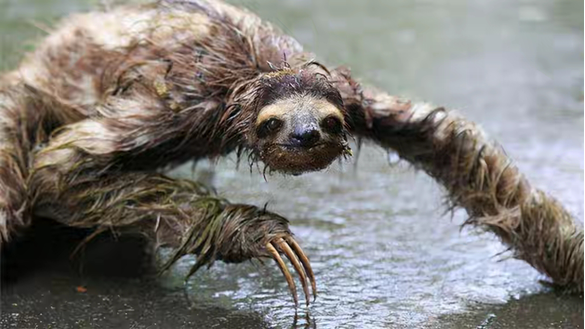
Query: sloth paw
[
  {"x": 253, "y": 233},
  {"x": 237, "y": 233},
  {"x": 300, "y": 262}
]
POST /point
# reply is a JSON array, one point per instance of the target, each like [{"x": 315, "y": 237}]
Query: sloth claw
[
  {"x": 284, "y": 269},
  {"x": 294, "y": 255},
  {"x": 305, "y": 261},
  {"x": 284, "y": 247}
]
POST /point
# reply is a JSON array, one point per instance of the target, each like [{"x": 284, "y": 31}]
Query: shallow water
[{"x": 383, "y": 252}]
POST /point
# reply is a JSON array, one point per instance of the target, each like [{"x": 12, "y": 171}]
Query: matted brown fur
[
  {"x": 479, "y": 177},
  {"x": 109, "y": 99},
  {"x": 112, "y": 98}
]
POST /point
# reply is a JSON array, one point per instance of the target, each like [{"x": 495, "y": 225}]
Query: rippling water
[{"x": 383, "y": 252}]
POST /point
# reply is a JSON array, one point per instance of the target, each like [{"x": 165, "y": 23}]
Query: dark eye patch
[
  {"x": 332, "y": 124},
  {"x": 268, "y": 127}
]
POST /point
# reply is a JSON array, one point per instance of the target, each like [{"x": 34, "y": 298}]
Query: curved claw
[
  {"x": 295, "y": 262},
  {"x": 294, "y": 253},
  {"x": 284, "y": 270},
  {"x": 303, "y": 258}
]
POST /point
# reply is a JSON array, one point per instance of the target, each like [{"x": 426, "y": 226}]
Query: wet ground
[{"x": 384, "y": 253}]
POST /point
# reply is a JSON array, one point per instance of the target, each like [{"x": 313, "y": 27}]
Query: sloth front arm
[{"x": 79, "y": 179}]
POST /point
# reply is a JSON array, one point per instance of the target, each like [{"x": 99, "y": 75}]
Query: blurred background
[{"x": 384, "y": 252}]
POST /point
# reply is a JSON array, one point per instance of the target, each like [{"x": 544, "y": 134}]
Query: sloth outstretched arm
[{"x": 477, "y": 175}]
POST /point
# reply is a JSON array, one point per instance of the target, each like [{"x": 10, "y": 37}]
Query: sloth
[
  {"x": 109, "y": 101},
  {"x": 91, "y": 120}
]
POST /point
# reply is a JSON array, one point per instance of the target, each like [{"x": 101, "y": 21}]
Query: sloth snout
[{"x": 306, "y": 136}]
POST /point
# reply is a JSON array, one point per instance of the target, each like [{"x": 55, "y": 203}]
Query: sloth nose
[{"x": 305, "y": 136}]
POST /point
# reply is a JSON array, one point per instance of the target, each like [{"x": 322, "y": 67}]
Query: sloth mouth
[
  {"x": 297, "y": 159},
  {"x": 300, "y": 147}
]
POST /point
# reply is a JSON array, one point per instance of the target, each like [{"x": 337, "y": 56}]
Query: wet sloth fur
[{"x": 109, "y": 100}]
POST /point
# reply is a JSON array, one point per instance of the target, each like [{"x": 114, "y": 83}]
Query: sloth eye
[
  {"x": 332, "y": 124},
  {"x": 269, "y": 127}
]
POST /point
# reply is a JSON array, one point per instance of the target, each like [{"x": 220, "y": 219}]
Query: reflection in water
[
  {"x": 303, "y": 320},
  {"x": 382, "y": 252}
]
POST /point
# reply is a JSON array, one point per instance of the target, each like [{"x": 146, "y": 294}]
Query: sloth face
[
  {"x": 300, "y": 122},
  {"x": 300, "y": 133}
]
